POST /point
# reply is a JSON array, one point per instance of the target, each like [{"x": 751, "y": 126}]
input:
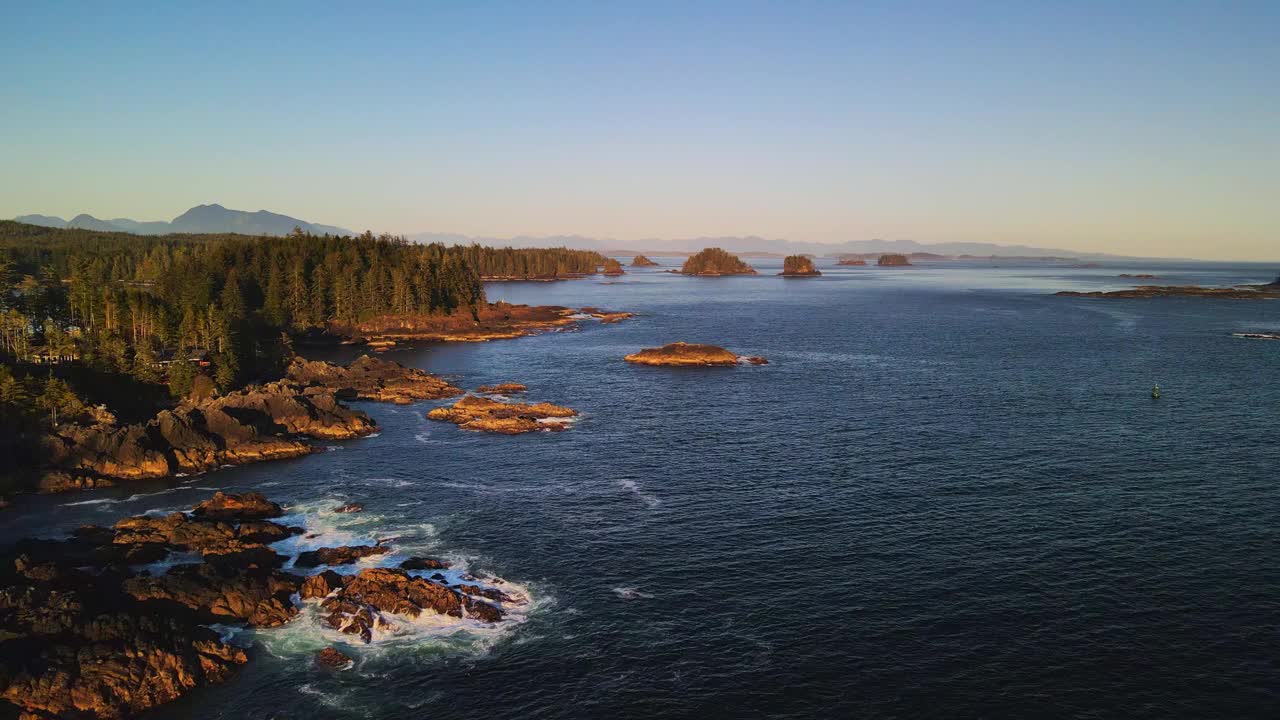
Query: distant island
[
  {"x": 201, "y": 219},
  {"x": 857, "y": 261},
  {"x": 798, "y": 266},
  {"x": 1267, "y": 291},
  {"x": 713, "y": 262},
  {"x": 893, "y": 260},
  {"x": 642, "y": 261},
  {"x": 613, "y": 267}
]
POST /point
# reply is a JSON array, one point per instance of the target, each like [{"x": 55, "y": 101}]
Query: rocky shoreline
[
  {"x": 262, "y": 422},
  {"x": 88, "y": 630},
  {"x": 272, "y": 421}
]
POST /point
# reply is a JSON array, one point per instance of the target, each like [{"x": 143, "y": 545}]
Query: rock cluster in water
[
  {"x": 682, "y": 354},
  {"x": 508, "y": 418},
  {"x": 86, "y": 633},
  {"x": 370, "y": 378}
]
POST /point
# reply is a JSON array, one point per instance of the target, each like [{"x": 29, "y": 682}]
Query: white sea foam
[
  {"x": 631, "y": 593},
  {"x": 97, "y": 501},
  {"x": 648, "y": 498}
]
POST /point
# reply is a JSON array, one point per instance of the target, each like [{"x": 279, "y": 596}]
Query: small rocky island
[
  {"x": 613, "y": 268},
  {"x": 852, "y": 260},
  {"x": 682, "y": 354},
  {"x": 893, "y": 260},
  {"x": 87, "y": 631},
  {"x": 642, "y": 261},
  {"x": 714, "y": 262},
  {"x": 798, "y": 266},
  {"x": 506, "y": 418}
]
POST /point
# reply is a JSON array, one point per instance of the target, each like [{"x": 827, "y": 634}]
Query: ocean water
[{"x": 949, "y": 495}]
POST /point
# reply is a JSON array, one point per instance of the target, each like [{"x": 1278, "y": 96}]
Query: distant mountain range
[
  {"x": 218, "y": 219},
  {"x": 199, "y": 219},
  {"x": 754, "y": 245}
]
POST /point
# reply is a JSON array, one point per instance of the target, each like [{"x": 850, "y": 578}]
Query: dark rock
[
  {"x": 344, "y": 555},
  {"x": 351, "y": 507},
  {"x": 423, "y": 563}
]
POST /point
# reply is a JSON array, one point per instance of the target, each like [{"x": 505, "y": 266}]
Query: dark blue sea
[{"x": 948, "y": 495}]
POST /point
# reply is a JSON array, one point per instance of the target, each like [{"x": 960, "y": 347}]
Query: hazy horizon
[{"x": 1147, "y": 130}]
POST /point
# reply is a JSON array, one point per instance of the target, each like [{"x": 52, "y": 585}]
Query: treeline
[
  {"x": 530, "y": 263},
  {"x": 174, "y": 308}
]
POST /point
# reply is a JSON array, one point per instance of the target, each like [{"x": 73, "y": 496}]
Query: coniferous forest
[{"x": 101, "y": 317}]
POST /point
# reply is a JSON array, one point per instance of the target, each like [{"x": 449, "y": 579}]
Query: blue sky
[{"x": 1146, "y": 128}]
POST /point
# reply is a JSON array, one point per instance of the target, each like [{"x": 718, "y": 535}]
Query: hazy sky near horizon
[{"x": 1148, "y": 128}]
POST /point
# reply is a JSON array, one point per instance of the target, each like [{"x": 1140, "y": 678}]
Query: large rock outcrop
[
  {"x": 370, "y": 378},
  {"x": 508, "y": 418},
  {"x": 261, "y": 422},
  {"x": 682, "y": 354}
]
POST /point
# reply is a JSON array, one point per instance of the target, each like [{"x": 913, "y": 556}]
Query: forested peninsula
[{"x": 100, "y": 326}]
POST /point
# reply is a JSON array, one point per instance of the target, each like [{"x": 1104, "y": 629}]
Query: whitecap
[
  {"x": 649, "y": 499},
  {"x": 98, "y": 501},
  {"x": 631, "y": 593}
]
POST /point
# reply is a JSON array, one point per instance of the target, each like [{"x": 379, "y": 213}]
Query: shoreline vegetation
[{"x": 117, "y": 349}]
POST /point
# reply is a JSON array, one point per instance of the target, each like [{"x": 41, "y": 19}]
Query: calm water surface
[{"x": 949, "y": 494}]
